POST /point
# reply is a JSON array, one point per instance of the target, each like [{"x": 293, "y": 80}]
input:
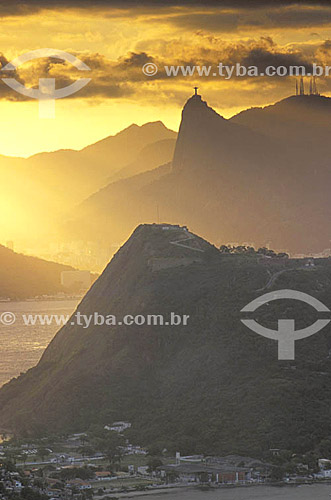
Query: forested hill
[
  {"x": 210, "y": 386},
  {"x": 22, "y": 276}
]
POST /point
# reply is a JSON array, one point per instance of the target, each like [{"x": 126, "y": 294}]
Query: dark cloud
[
  {"x": 5, "y": 91},
  {"x": 108, "y": 79},
  {"x": 24, "y": 7},
  {"x": 262, "y": 58},
  {"x": 3, "y": 60},
  {"x": 136, "y": 59},
  {"x": 124, "y": 77},
  {"x": 7, "y": 94},
  {"x": 323, "y": 53},
  {"x": 211, "y": 21},
  {"x": 221, "y": 21},
  {"x": 258, "y": 53},
  {"x": 325, "y": 47},
  {"x": 300, "y": 17}
]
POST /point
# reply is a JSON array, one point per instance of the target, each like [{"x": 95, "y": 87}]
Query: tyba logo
[
  {"x": 286, "y": 335},
  {"x": 46, "y": 92}
]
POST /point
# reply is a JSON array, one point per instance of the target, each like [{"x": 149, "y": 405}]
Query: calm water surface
[
  {"x": 21, "y": 346},
  {"x": 314, "y": 492}
]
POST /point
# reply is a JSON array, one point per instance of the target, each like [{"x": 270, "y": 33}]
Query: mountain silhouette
[
  {"x": 58, "y": 181},
  {"x": 22, "y": 276},
  {"x": 261, "y": 177},
  {"x": 209, "y": 386},
  {"x": 302, "y": 119}
]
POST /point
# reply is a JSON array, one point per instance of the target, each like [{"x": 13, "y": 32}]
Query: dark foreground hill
[
  {"x": 22, "y": 276},
  {"x": 210, "y": 386}
]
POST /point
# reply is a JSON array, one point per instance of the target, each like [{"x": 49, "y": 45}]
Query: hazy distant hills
[
  {"x": 123, "y": 148},
  {"x": 92, "y": 166},
  {"x": 151, "y": 156},
  {"x": 210, "y": 387},
  {"x": 302, "y": 119},
  {"x": 110, "y": 213},
  {"x": 44, "y": 187},
  {"x": 23, "y": 277},
  {"x": 262, "y": 178}
]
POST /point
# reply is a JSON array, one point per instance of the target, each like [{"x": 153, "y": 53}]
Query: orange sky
[{"x": 115, "y": 42}]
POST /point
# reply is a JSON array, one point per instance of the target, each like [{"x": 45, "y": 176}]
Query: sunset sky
[{"x": 115, "y": 41}]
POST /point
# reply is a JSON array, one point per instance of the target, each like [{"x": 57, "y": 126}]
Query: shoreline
[
  {"x": 43, "y": 299},
  {"x": 164, "y": 490}
]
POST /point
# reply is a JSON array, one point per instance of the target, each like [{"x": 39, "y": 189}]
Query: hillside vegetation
[
  {"x": 210, "y": 386},
  {"x": 22, "y": 276}
]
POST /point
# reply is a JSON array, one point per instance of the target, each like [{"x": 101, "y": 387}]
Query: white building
[
  {"x": 118, "y": 427},
  {"x": 325, "y": 468}
]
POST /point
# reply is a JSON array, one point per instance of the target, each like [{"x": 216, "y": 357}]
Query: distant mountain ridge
[
  {"x": 59, "y": 180},
  {"x": 261, "y": 177},
  {"x": 296, "y": 118},
  {"x": 93, "y": 164}
]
